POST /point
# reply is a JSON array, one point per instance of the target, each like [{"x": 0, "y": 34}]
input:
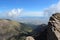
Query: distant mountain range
[
  {"x": 30, "y": 20},
  {"x": 33, "y": 20}
]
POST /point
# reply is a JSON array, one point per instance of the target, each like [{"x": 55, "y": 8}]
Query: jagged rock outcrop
[
  {"x": 12, "y": 30},
  {"x": 54, "y": 27}
]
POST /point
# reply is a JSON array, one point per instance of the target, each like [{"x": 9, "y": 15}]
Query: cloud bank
[
  {"x": 54, "y": 8},
  {"x": 14, "y": 12}
]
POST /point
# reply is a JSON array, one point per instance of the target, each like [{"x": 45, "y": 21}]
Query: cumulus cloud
[
  {"x": 54, "y": 8},
  {"x": 14, "y": 12}
]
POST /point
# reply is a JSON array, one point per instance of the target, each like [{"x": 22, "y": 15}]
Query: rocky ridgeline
[
  {"x": 54, "y": 27},
  {"x": 12, "y": 30}
]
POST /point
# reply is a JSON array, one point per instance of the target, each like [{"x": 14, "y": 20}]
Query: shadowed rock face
[
  {"x": 54, "y": 27},
  {"x": 40, "y": 33}
]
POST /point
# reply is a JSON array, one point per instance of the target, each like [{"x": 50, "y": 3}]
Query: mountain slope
[{"x": 12, "y": 30}]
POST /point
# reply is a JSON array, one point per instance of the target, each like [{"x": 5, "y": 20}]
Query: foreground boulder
[
  {"x": 12, "y": 30},
  {"x": 54, "y": 27},
  {"x": 29, "y": 38}
]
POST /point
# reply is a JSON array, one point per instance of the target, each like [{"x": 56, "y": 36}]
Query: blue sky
[{"x": 28, "y": 7}]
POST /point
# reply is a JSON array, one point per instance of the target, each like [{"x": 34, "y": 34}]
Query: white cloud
[
  {"x": 18, "y": 12},
  {"x": 54, "y": 8},
  {"x": 14, "y": 12}
]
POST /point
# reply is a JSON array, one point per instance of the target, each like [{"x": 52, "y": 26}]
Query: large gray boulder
[
  {"x": 54, "y": 27},
  {"x": 30, "y": 38}
]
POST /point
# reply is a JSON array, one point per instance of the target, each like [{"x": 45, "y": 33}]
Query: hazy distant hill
[{"x": 33, "y": 20}]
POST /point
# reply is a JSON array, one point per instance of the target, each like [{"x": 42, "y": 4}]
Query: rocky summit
[{"x": 54, "y": 27}]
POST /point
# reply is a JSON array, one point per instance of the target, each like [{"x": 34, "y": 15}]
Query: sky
[{"x": 28, "y": 8}]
